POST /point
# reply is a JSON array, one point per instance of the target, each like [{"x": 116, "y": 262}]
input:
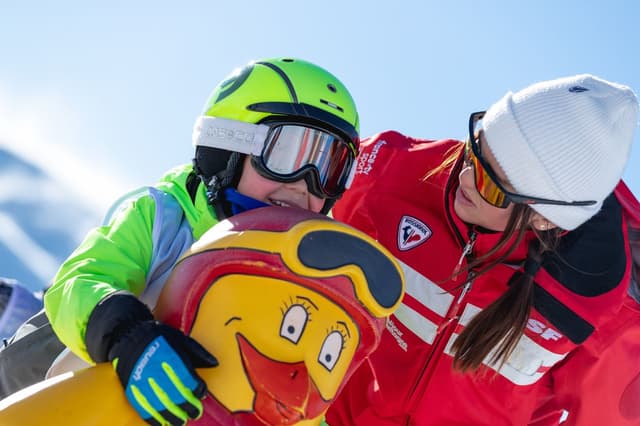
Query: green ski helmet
[{"x": 273, "y": 92}]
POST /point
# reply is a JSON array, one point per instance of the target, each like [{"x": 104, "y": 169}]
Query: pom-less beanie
[{"x": 567, "y": 139}]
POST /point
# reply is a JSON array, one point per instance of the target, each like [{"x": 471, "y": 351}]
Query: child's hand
[{"x": 155, "y": 364}]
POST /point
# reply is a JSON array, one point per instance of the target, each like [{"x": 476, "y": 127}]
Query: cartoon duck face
[
  {"x": 283, "y": 349},
  {"x": 289, "y": 302}
]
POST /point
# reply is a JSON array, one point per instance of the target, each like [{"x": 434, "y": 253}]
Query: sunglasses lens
[{"x": 487, "y": 188}]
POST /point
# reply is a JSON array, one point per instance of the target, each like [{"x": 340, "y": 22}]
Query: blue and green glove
[{"x": 155, "y": 362}]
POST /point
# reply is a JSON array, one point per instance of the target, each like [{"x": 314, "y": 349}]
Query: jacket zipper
[
  {"x": 444, "y": 331},
  {"x": 466, "y": 252}
]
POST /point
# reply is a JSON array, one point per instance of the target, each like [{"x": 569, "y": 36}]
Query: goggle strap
[{"x": 230, "y": 135}]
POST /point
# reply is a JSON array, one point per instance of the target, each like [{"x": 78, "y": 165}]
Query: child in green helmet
[{"x": 280, "y": 132}]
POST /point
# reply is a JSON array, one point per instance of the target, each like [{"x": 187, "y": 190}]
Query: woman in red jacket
[{"x": 522, "y": 300}]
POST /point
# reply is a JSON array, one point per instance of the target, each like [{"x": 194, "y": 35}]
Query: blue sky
[{"x": 106, "y": 96}]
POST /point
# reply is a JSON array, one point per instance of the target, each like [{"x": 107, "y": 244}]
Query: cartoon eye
[
  {"x": 293, "y": 323},
  {"x": 331, "y": 349}
]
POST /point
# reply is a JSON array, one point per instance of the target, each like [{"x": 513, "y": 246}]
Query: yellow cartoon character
[
  {"x": 289, "y": 302},
  {"x": 294, "y": 302}
]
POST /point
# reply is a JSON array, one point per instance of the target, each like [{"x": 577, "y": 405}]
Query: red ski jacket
[{"x": 580, "y": 352}]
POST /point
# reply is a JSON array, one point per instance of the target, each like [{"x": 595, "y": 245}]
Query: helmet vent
[
  {"x": 332, "y": 88},
  {"x": 332, "y": 105}
]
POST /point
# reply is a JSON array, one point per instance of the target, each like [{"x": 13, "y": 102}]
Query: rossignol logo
[
  {"x": 578, "y": 89},
  {"x": 411, "y": 233}
]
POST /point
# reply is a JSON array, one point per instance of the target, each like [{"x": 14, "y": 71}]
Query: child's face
[{"x": 294, "y": 194}]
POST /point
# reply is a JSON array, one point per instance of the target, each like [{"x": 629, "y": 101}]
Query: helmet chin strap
[{"x": 216, "y": 184}]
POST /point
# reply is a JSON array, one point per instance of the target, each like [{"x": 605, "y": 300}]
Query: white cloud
[
  {"x": 28, "y": 251},
  {"x": 43, "y": 128}
]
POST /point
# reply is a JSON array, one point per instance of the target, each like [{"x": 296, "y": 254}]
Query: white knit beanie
[{"x": 567, "y": 139}]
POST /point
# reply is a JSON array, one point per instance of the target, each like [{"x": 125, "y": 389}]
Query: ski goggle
[
  {"x": 487, "y": 182},
  {"x": 293, "y": 151},
  {"x": 286, "y": 151}
]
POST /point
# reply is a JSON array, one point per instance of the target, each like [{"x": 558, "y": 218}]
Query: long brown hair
[{"x": 497, "y": 329}]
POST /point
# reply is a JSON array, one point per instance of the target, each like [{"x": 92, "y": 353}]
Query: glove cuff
[{"x": 110, "y": 320}]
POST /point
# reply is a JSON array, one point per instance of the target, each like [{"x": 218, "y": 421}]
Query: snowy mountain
[{"x": 41, "y": 221}]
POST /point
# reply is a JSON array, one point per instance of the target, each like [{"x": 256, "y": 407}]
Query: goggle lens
[{"x": 291, "y": 151}]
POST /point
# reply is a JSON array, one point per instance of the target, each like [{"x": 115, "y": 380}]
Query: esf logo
[
  {"x": 543, "y": 330},
  {"x": 411, "y": 233}
]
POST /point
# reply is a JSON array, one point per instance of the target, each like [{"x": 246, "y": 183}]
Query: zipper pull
[
  {"x": 455, "y": 311},
  {"x": 466, "y": 287},
  {"x": 465, "y": 252}
]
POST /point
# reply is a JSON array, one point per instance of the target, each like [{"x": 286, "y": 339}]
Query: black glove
[{"x": 155, "y": 362}]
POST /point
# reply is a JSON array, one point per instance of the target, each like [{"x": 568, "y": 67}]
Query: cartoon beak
[{"x": 285, "y": 394}]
